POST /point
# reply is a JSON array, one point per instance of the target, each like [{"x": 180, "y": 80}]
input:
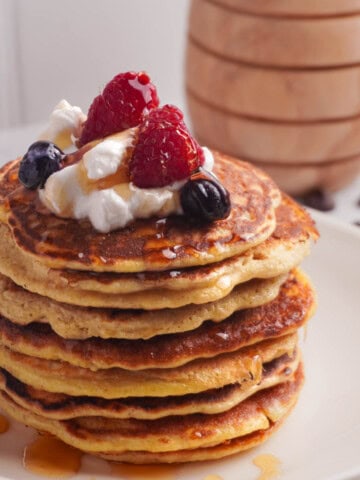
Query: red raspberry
[
  {"x": 165, "y": 151},
  {"x": 123, "y": 104}
]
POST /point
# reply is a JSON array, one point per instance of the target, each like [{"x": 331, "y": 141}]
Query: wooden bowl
[
  {"x": 296, "y": 8},
  {"x": 272, "y": 94},
  {"x": 277, "y": 82},
  {"x": 276, "y": 42}
]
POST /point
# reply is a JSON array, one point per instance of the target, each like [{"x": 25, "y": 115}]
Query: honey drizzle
[
  {"x": 144, "y": 472},
  {"x": 4, "y": 424},
  {"x": 49, "y": 457},
  {"x": 269, "y": 466}
]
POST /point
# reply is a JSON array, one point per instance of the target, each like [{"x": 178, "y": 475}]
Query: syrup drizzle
[
  {"x": 49, "y": 457},
  {"x": 144, "y": 472},
  {"x": 269, "y": 466},
  {"x": 213, "y": 477},
  {"x": 4, "y": 424}
]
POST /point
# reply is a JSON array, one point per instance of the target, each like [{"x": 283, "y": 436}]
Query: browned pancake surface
[
  {"x": 193, "y": 377},
  {"x": 175, "y": 433},
  {"x": 151, "y": 244},
  {"x": 282, "y": 316},
  {"x": 288, "y": 393},
  {"x": 61, "y": 406},
  {"x": 285, "y": 249},
  {"x": 293, "y": 224}
]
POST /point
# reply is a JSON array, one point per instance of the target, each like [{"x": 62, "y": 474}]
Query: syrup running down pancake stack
[{"x": 168, "y": 339}]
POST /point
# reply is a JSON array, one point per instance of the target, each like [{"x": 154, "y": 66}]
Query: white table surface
[{"x": 15, "y": 141}]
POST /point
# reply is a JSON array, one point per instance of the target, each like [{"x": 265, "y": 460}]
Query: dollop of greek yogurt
[
  {"x": 74, "y": 191},
  {"x": 106, "y": 157},
  {"x": 64, "y": 125}
]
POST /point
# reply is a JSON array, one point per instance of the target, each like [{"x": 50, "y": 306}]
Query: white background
[{"x": 53, "y": 49}]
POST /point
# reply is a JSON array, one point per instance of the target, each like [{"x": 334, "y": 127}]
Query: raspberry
[
  {"x": 167, "y": 114},
  {"x": 165, "y": 151},
  {"x": 123, "y": 104}
]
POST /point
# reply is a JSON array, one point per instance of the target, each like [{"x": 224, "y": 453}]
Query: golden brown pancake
[
  {"x": 288, "y": 245},
  {"x": 23, "y": 308},
  {"x": 292, "y": 224},
  {"x": 151, "y": 244},
  {"x": 202, "y": 359},
  {"x": 225, "y": 449},
  {"x": 168, "y": 434},
  {"x": 194, "y": 377},
  {"x": 284, "y": 315},
  {"x": 63, "y": 407},
  {"x": 288, "y": 393}
]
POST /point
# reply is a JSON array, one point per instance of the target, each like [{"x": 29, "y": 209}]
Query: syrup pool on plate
[
  {"x": 269, "y": 466},
  {"x": 49, "y": 457},
  {"x": 4, "y": 424}
]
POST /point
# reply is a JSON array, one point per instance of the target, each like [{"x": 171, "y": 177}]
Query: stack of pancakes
[{"x": 166, "y": 341}]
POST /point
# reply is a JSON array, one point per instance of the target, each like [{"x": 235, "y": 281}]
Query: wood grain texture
[
  {"x": 297, "y": 179},
  {"x": 271, "y": 141},
  {"x": 277, "y": 82},
  {"x": 279, "y": 42},
  {"x": 272, "y": 94},
  {"x": 294, "y": 8}
]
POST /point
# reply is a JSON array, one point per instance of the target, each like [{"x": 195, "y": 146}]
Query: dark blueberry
[
  {"x": 40, "y": 161},
  {"x": 319, "y": 199},
  {"x": 205, "y": 199}
]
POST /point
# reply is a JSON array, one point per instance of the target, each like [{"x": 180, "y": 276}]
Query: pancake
[
  {"x": 284, "y": 315},
  {"x": 285, "y": 249},
  {"x": 289, "y": 392},
  {"x": 194, "y": 377},
  {"x": 151, "y": 244},
  {"x": 216, "y": 452},
  {"x": 63, "y": 407},
  {"x": 23, "y": 308},
  {"x": 293, "y": 225},
  {"x": 99, "y": 434},
  {"x": 172, "y": 339}
]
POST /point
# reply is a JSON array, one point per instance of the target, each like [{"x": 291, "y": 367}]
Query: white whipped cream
[
  {"x": 109, "y": 208},
  {"x": 106, "y": 157},
  {"x": 64, "y": 125},
  {"x": 209, "y": 159}
]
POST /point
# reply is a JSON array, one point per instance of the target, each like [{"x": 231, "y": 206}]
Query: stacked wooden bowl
[{"x": 277, "y": 82}]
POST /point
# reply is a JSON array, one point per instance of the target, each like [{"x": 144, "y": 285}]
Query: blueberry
[
  {"x": 40, "y": 161},
  {"x": 205, "y": 199}
]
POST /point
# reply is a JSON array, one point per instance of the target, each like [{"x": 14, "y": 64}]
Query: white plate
[{"x": 321, "y": 438}]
